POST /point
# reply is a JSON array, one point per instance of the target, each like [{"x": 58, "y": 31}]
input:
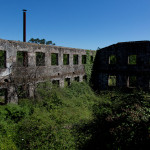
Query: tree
[{"x": 41, "y": 41}]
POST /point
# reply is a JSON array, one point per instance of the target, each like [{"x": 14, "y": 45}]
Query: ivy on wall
[{"x": 89, "y": 64}]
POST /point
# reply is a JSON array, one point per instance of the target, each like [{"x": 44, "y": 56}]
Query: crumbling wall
[
  {"x": 32, "y": 70},
  {"x": 130, "y": 68}
]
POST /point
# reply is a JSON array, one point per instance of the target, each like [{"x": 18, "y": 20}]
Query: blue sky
[{"x": 86, "y": 24}]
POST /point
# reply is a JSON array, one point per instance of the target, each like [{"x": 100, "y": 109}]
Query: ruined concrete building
[
  {"x": 28, "y": 64},
  {"x": 123, "y": 65}
]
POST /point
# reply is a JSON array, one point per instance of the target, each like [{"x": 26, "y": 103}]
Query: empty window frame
[
  {"x": 112, "y": 59},
  {"x": 91, "y": 59},
  {"x": 22, "y": 58},
  {"x": 85, "y": 78},
  {"x": 75, "y": 59},
  {"x": 55, "y": 82},
  {"x": 66, "y": 59},
  {"x": 54, "y": 59},
  {"x": 22, "y": 91},
  {"x": 67, "y": 82},
  {"x": 40, "y": 59},
  {"x": 76, "y": 79},
  {"x": 132, "y": 81},
  {"x": 2, "y": 59},
  {"x": 112, "y": 81},
  {"x": 3, "y": 96},
  {"x": 132, "y": 59},
  {"x": 83, "y": 59}
]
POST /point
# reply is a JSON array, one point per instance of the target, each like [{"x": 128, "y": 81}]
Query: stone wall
[
  {"x": 122, "y": 71},
  {"x": 39, "y": 73}
]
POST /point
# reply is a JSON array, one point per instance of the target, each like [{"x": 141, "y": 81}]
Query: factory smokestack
[{"x": 24, "y": 25}]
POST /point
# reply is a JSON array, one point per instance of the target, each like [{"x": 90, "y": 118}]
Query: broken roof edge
[
  {"x": 44, "y": 45},
  {"x": 127, "y": 42}
]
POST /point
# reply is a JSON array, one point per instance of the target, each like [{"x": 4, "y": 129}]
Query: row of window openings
[
  {"x": 131, "y": 59},
  {"x": 22, "y": 59},
  {"x": 131, "y": 81}
]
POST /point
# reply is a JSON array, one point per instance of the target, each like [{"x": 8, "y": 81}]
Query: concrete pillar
[
  {"x": 31, "y": 91},
  {"x": 71, "y": 59},
  {"x": 31, "y": 59},
  {"x": 79, "y": 59},
  {"x": 47, "y": 59},
  {"x": 12, "y": 95},
  {"x": 61, "y": 83},
  {"x": 60, "y": 58}
]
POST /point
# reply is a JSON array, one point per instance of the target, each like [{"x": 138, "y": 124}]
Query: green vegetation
[
  {"x": 132, "y": 60},
  {"x": 2, "y": 59},
  {"x": 89, "y": 64},
  {"x": 75, "y": 117},
  {"x": 75, "y": 59},
  {"x": 112, "y": 81},
  {"x": 54, "y": 59},
  {"x": 41, "y": 41},
  {"x": 112, "y": 59},
  {"x": 66, "y": 59},
  {"x": 40, "y": 59}
]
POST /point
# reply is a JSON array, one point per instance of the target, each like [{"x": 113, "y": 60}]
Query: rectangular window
[
  {"x": 112, "y": 59},
  {"x": 66, "y": 59},
  {"x": 83, "y": 59},
  {"x": 132, "y": 81},
  {"x": 54, "y": 59},
  {"x": 91, "y": 59},
  {"x": 112, "y": 81},
  {"x": 55, "y": 83},
  {"x": 76, "y": 79},
  {"x": 22, "y": 58},
  {"x": 85, "y": 78},
  {"x": 132, "y": 59},
  {"x": 67, "y": 82},
  {"x": 75, "y": 59},
  {"x": 40, "y": 59},
  {"x": 2, "y": 59},
  {"x": 22, "y": 91},
  {"x": 3, "y": 96}
]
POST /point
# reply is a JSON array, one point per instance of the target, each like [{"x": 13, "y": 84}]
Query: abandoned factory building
[
  {"x": 28, "y": 64},
  {"x": 123, "y": 65}
]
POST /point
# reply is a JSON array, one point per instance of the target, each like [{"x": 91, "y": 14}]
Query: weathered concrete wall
[
  {"x": 122, "y": 69},
  {"x": 48, "y": 71}
]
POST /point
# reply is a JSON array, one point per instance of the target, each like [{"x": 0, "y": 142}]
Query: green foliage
[
  {"x": 89, "y": 65},
  {"x": 76, "y": 118},
  {"x": 121, "y": 123},
  {"x": 75, "y": 59},
  {"x": 40, "y": 59},
  {"x": 41, "y": 41},
  {"x": 2, "y": 59},
  {"x": 112, "y": 59},
  {"x": 132, "y": 60},
  {"x": 66, "y": 59},
  {"x": 112, "y": 81},
  {"x": 54, "y": 59}
]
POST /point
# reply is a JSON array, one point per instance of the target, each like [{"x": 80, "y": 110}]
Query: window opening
[
  {"x": 66, "y": 59},
  {"x": 83, "y": 59},
  {"x": 2, "y": 59},
  {"x": 75, "y": 59},
  {"x": 132, "y": 59},
  {"x": 40, "y": 59},
  {"x": 112, "y": 59},
  {"x": 112, "y": 81},
  {"x": 22, "y": 58},
  {"x": 54, "y": 59}
]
